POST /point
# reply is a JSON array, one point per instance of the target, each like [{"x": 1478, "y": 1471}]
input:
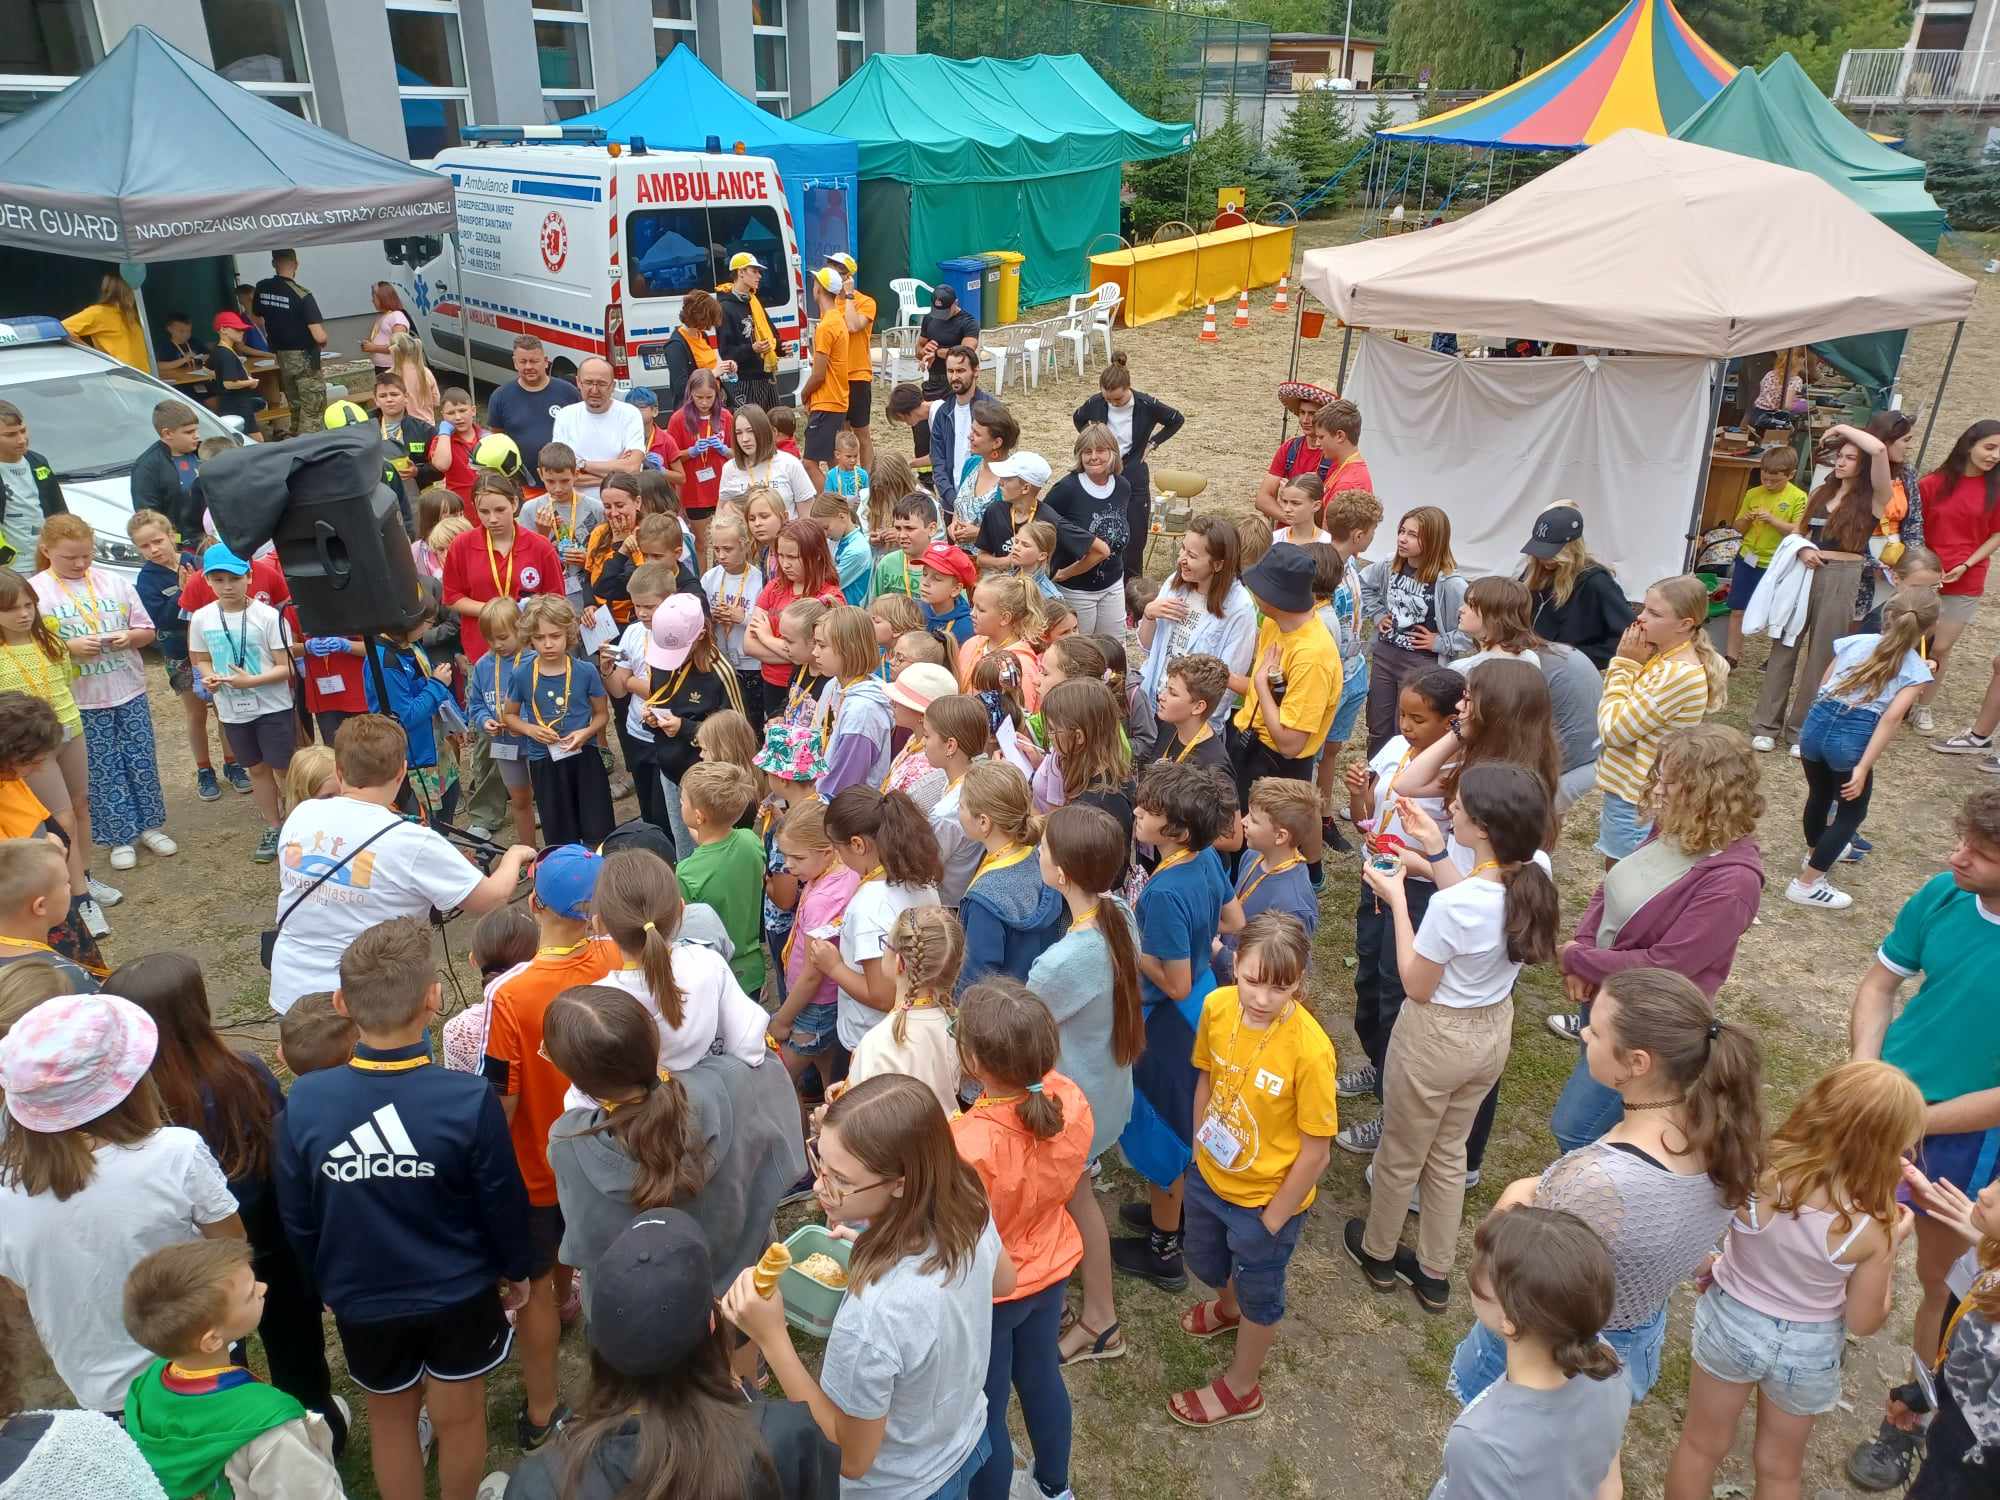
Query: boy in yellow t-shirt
[
  {"x": 1770, "y": 511},
  {"x": 1293, "y": 686},
  {"x": 1265, "y": 1115}
]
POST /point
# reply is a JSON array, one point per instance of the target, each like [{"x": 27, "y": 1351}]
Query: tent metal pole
[
  {"x": 1930, "y": 417},
  {"x": 1424, "y": 191},
  {"x": 1491, "y": 155},
  {"x": 1715, "y": 373},
  {"x": 1292, "y": 370},
  {"x": 1346, "y": 342},
  {"x": 134, "y": 275}
]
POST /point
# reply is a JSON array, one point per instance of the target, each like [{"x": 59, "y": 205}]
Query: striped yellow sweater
[{"x": 1640, "y": 707}]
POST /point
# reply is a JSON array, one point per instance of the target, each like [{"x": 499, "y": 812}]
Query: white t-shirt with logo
[
  {"x": 250, "y": 643},
  {"x": 73, "y": 1256},
  {"x": 864, "y": 934},
  {"x": 598, "y": 437},
  {"x": 404, "y": 873}
]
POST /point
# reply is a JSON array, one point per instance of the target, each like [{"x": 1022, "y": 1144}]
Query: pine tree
[
  {"x": 1379, "y": 119},
  {"x": 1316, "y": 140}
]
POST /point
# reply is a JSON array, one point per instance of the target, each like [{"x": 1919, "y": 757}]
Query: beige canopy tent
[{"x": 1651, "y": 244}]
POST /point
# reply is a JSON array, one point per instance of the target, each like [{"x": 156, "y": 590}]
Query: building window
[
  {"x": 430, "y": 74},
  {"x": 562, "y": 52},
  {"x": 767, "y": 40},
  {"x": 42, "y": 49},
  {"x": 849, "y": 44},
  {"x": 256, "y": 43},
  {"x": 673, "y": 25}
]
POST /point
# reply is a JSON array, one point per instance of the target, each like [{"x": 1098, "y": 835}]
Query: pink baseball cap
[
  {"x": 73, "y": 1058},
  {"x": 677, "y": 625}
]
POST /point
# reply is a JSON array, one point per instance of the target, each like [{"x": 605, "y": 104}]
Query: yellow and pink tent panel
[{"x": 1644, "y": 69}]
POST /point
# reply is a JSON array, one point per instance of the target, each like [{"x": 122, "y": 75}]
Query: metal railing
[{"x": 1896, "y": 75}]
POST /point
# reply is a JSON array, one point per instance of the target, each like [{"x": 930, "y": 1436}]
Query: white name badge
[
  {"x": 501, "y": 750},
  {"x": 1220, "y": 1142},
  {"x": 704, "y": 475},
  {"x": 331, "y": 684},
  {"x": 556, "y": 752}
]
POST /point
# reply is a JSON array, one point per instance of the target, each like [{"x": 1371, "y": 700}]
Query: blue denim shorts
[
  {"x": 813, "y": 1030},
  {"x": 1481, "y": 1358},
  {"x": 1744, "y": 576},
  {"x": 1837, "y": 733},
  {"x": 1619, "y": 831},
  {"x": 1796, "y": 1365},
  {"x": 1220, "y": 1240},
  {"x": 1966, "y": 1159}
]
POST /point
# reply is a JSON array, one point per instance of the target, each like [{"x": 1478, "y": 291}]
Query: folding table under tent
[
  {"x": 961, "y": 156},
  {"x": 681, "y": 105},
  {"x": 1636, "y": 244}
]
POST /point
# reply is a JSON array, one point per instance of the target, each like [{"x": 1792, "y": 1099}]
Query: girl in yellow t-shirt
[
  {"x": 111, "y": 324},
  {"x": 35, "y": 662}
]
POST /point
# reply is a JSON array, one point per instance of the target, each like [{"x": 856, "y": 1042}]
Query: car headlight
[{"x": 116, "y": 553}]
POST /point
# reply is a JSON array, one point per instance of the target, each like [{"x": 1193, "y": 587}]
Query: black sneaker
[
  {"x": 1155, "y": 1258},
  {"x": 529, "y": 1437},
  {"x": 1137, "y": 1216},
  {"x": 1434, "y": 1292},
  {"x": 1381, "y": 1274},
  {"x": 1331, "y": 836}
]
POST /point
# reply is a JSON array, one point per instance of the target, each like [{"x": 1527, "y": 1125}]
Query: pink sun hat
[{"x": 74, "y": 1058}]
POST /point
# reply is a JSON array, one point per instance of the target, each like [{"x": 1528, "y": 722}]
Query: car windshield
[{"x": 94, "y": 423}]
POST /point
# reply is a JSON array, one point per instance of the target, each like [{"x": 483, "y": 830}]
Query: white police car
[{"x": 91, "y": 416}]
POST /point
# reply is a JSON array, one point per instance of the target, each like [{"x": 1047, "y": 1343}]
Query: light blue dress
[{"x": 1073, "y": 977}]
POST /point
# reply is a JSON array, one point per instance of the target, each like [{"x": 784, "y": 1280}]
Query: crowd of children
[{"x": 932, "y": 899}]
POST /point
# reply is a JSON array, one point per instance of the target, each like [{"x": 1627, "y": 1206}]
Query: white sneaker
[
  {"x": 492, "y": 1487},
  {"x": 1820, "y": 893},
  {"x": 1795, "y": 753},
  {"x": 157, "y": 842},
  {"x": 424, "y": 1432},
  {"x": 1762, "y": 742},
  {"x": 110, "y": 895},
  {"x": 122, "y": 858},
  {"x": 91, "y": 915},
  {"x": 480, "y": 831},
  {"x": 1965, "y": 742},
  {"x": 1923, "y": 720}
]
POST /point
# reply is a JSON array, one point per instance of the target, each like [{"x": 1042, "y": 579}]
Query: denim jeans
[
  {"x": 1831, "y": 743},
  {"x": 1586, "y": 1109},
  {"x": 959, "y": 1486},
  {"x": 670, "y": 796},
  {"x": 1025, "y": 1359},
  {"x": 1378, "y": 982},
  {"x": 1481, "y": 1358}
]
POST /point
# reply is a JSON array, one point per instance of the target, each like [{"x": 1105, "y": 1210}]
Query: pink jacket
[{"x": 1690, "y": 928}]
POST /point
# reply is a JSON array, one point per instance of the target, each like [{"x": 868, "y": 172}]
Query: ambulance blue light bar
[
  {"x": 31, "y": 328},
  {"x": 531, "y": 135}
]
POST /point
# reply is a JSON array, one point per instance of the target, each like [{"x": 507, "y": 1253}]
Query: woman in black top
[
  {"x": 1140, "y": 423},
  {"x": 1094, "y": 498},
  {"x": 233, "y": 1103},
  {"x": 1577, "y": 602}
]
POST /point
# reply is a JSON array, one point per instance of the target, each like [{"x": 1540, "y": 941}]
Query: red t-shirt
[
  {"x": 267, "y": 584},
  {"x": 665, "y": 447},
  {"x": 460, "y": 476},
  {"x": 532, "y": 566},
  {"x": 777, "y": 594},
  {"x": 1956, "y": 521},
  {"x": 786, "y": 445},
  {"x": 1295, "y": 456},
  {"x": 334, "y": 684},
  {"x": 698, "y": 494},
  {"x": 1351, "y": 475}
]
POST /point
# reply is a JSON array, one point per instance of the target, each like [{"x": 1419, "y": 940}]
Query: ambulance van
[{"x": 590, "y": 245}]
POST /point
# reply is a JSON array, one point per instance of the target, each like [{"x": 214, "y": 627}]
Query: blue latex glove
[
  {"x": 445, "y": 429},
  {"x": 326, "y": 645},
  {"x": 651, "y": 461}
]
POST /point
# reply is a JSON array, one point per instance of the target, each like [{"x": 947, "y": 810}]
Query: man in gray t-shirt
[{"x": 1514, "y": 1441}]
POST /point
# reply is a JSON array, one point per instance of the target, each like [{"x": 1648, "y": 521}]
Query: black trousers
[
  {"x": 573, "y": 795},
  {"x": 1253, "y": 760},
  {"x": 293, "y": 1334},
  {"x": 1138, "y": 516},
  {"x": 1831, "y": 822},
  {"x": 638, "y": 763}
]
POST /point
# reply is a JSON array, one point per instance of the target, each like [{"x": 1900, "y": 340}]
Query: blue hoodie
[
  {"x": 415, "y": 697},
  {"x": 957, "y": 620},
  {"x": 1010, "y": 919}
]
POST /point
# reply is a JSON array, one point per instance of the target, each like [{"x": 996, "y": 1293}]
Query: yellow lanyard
[
  {"x": 388, "y": 1064},
  {"x": 832, "y": 710},
  {"x": 1267, "y": 872},
  {"x": 498, "y": 696},
  {"x": 90, "y": 608},
  {"x": 1178, "y": 857},
  {"x": 1084, "y": 919},
  {"x": 1195, "y": 743},
  {"x": 878, "y": 873},
  {"x": 909, "y": 588},
  {"x": 896, "y": 765},
  {"x": 28, "y": 943},
  {"x": 991, "y": 1101},
  {"x": 665, "y": 694},
  {"x": 741, "y": 594},
  {"x": 493, "y": 566},
  {"x": 1220, "y": 1111},
  {"x": 575, "y": 947},
  {"x": 535, "y": 703},
  {"x": 1981, "y": 1283},
  {"x": 1006, "y": 859},
  {"x": 1482, "y": 867},
  {"x": 42, "y": 681}
]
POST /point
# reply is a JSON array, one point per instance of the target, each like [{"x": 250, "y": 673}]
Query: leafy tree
[{"x": 1825, "y": 32}]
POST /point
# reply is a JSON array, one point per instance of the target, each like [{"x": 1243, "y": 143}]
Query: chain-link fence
[{"x": 1171, "y": 65}]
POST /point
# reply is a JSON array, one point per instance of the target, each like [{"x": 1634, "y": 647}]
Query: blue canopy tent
[{"x": 681, "y": 105}]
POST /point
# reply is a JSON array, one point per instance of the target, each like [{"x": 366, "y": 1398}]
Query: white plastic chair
[
  {"x": 995, "y": 349},
  {"x": 1075, "y": 332},
  {"x": 1104, "y": 312},
  {"x": 1036, "y": 345},
  {"x": 910, "y": 306}
]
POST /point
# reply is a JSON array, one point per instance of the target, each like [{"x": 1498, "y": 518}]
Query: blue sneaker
[
  {"x": 236, "y": 776},
  {"x": 205, "y": 784},
  {"x": 1858, "y": 842}
]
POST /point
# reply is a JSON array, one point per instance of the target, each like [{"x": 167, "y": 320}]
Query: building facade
[{"x": 406, "y": 76}]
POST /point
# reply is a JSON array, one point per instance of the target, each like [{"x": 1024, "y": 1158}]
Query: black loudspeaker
[{"x": 338, "y": 528}]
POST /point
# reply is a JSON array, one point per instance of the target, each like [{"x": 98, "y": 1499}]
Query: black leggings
[
  {"x": 293, "y": 1335},
  {"x": 1830, "y": 822}
]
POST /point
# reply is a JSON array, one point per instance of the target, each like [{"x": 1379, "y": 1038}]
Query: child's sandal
[
  {"x": 1106, "y": 1344},
  {"x": 1193, "y": 1408},
  {"x": 1205, "y": 1321}
]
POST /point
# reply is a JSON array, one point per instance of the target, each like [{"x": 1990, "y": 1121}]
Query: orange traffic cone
[
  {"x": 1208, "y": 335},
  {"x": 1283, "y": 300},
  {"x": 1242, "y": 318}
]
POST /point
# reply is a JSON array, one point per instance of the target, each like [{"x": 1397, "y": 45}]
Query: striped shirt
[{"x": 1640, "y": 707}]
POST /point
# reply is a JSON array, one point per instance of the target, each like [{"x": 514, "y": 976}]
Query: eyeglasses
[{"x": 832, "y": 1189}]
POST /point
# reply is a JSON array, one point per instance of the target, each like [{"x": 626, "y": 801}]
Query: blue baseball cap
[
  {"x": 219, "y": 559},
  {"x": 642, "y": 395},
  {"x": 566, "y": 879}
]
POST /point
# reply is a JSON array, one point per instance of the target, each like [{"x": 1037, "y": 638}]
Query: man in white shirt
[
  {"x": 405, "y": 871},
  {"x": 608, "y": 435}
]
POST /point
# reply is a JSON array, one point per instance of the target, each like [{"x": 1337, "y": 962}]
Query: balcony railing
[{"x": 1893, "y": 75}]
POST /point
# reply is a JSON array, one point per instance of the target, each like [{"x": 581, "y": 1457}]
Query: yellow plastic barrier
[{"x": 1176, "y": 276}]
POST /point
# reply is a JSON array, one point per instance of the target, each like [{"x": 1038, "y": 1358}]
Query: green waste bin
[
  {"x": 990, "y": 278},
  {"x": 1007, "y": 307}
]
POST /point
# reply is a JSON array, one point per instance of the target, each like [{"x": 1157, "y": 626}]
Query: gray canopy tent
[{"x": 150, "y": 156}]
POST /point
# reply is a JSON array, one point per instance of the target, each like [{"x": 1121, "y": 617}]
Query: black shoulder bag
[{"x": 268, "y": 940}]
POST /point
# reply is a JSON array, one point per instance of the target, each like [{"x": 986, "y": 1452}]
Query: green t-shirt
[
  {"x": 1947, "y": 1035},
  {"x": 729, "y": 876},
  {"x": 896, "y": 574},
  {"x": 1761, "y": 538}
]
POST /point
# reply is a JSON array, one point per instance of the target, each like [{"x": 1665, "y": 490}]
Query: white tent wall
[{"x": 1495, "y": 441}]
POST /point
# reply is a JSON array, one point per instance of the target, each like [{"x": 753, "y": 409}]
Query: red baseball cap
[
  {"x": 950, "y": 560},
  {"x": 232, "y": 320}
]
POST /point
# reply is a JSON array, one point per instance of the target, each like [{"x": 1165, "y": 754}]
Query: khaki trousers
[
  {"x": 1441, "y": 1062},
  {"x": 1829, "y": 616}
]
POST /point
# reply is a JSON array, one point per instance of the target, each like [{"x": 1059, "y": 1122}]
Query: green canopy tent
[
  {"x": 964, "y": 155},
  {"x": 1779, "y": 117}
]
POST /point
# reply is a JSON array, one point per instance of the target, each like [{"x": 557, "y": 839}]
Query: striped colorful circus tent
[{"x": 1643, "y": 69}]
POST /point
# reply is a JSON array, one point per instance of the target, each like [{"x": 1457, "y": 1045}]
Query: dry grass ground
[{"x": 1356, "y": 1404}]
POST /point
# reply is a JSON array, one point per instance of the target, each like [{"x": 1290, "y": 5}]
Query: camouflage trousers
[{"x": 304, "y": 387}]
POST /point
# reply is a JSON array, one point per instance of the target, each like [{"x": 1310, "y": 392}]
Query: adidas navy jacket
[{"x": 397, "y": 1185}]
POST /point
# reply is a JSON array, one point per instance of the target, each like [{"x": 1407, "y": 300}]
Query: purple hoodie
[{"x": 1691, "y": 928}]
